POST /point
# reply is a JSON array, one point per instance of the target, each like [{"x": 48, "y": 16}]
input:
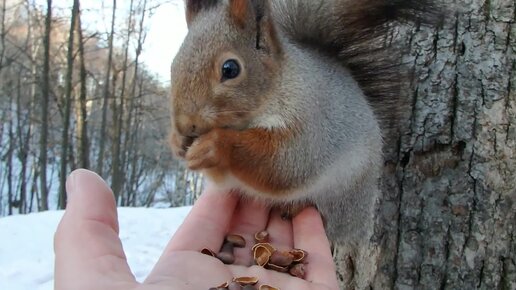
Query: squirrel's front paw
[
  {"x": 180, "y": 144},
  {"x": 207, "y": 151}
]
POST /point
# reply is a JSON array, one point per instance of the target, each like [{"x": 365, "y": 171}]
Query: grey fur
[{"x": 324, "y": 91}]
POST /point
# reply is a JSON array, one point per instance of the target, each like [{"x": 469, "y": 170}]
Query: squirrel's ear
[
  {"x": 256, "y": 14},
  {"x": 194, "y": 6},
  {"x": 239, "y": 11}
]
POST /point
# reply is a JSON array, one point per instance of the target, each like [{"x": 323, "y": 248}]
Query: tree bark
[
  {"x": 67, "y": 100},
  {"x": 45, "y": 90},
  {"x": 24, "y": 133},
  {"x": 448, "y": 209},
  {"x": 81, "y": 110},
  {"x": 119, "y": 112},
  {"x": 105, "y": 96},
  {"x": 131, "y": 127}
]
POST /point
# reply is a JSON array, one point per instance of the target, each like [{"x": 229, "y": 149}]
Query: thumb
[
  {"x": 90, "y": 198},
  {"x": 86, "y": 243}
]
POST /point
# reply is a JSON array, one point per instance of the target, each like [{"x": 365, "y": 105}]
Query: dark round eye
[{"x": 230, "y": 69}]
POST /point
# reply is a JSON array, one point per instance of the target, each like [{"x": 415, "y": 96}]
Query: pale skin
[{"x": 89, "y": 253}]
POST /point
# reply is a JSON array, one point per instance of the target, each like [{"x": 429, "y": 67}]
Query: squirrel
[{"x": 287, "y": 100}]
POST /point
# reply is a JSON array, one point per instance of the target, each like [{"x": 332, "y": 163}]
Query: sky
[
  {"x": 166, "y": 28},
  {"x": 167, "y": 31}
]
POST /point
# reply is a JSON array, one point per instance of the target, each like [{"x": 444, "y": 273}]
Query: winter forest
[{"x": 76, "y": 95}]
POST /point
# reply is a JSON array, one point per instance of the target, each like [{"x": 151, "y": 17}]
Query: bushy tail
[{"x": 357, "y": 33}]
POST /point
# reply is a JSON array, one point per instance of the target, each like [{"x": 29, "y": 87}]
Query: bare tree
[
  {"x": 67, "y": 100},
  {"x": 48, "y": 62},
  {"x": 119, "y": 111},
  {"x": 45, "y": 88},
  {"x": 80, "y": 107},
  {"x": 105, "y": 95},
  {"x": 131, "y": 129}
]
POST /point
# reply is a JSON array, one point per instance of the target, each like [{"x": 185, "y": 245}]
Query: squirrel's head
[{"x": 226, "y": 66}]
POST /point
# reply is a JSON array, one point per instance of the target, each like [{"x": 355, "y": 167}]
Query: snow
[{"x": 26, "y": 244}]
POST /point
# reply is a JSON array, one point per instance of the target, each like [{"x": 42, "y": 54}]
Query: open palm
[{"x": 89, "y": 253}]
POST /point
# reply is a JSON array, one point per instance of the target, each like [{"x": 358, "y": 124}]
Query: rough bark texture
[
  {"x": 448, "y": 211},
  {"x": 45, "y": 91}
]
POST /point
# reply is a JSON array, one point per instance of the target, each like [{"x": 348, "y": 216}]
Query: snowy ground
[{"x": 26, "y": 244}]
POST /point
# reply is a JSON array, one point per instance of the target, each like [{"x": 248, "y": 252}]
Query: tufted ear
[
  {"x": 239, "y": 11},
  {"x": 194, "y": 6}
]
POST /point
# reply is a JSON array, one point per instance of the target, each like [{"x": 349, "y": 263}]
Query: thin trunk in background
[
  {"x": 80, "y": 108},
  {"x": 45, "y": 90},
  {"x": 10, "y": 152},
  {"x": 132, "y": 167},
  {"x": 105, "y": 96},
  {"x": 24, "y": 130},
  {"x": 129, "y": 127},
  {"x": 34, "y": 45},
  {"x": 67, "y": 108},
  {"x": 2, "y": 54},
  {"x": 118, "y": 114},
  {"x": 3, "y": 32},
  {"x": 34, "y": 188}
]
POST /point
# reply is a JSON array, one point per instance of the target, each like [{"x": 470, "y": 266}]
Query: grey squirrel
[{"x": 285, "y": 100}]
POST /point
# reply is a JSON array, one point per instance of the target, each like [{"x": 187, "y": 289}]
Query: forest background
[{"x": 85, "y": 85}]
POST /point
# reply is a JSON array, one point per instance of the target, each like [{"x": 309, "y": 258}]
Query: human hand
[{"x": 89, "y": 253}]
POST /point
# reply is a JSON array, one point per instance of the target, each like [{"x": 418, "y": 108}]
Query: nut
[
  {"x": 282, "y": 259},
  {"x": 237, "y": 240},
  {"x": 223, "y": 285},
  {"x": 246, "y": 280},
  {"x": 261, "y": 255},
  {"x": 234, "y": 286},
  {"x": 262, "y": 237},
  {"x": 226, "y": 254},
  {"x": 208, "y": 252},
  {"x": 267, "y": 287},
  {"x": 299, "y": 255},
  {"x": 277, "y": 268},
  {"x": 298, "y": 270},
  {"x": 266, "y": 245}
]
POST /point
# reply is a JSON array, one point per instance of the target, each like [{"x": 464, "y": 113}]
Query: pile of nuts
[{"x": 265, "y": 255}]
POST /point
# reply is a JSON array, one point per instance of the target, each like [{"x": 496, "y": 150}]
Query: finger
[
  {"x": 86, "y": 242},
  {"x": 189, "y": 270},
  {"x": 309, "y": 235},
  {"x": 280, "y": 231},
  {"x": 250, "y": 217},
  {"x": 207, "y": 223}
]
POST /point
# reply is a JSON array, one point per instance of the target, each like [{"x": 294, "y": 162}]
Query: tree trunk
[
  {"x": 118, "y": 114},
  {"x": 67, "y": 107},
  {"x": 105, "y": 96},
  {"x": 24, "y": 133},
  {"x": 130, "y": 127},
  {"x": 45, "y": 90},
  {"x": 448, "y": 209},
  {"x": 10, "y": 152},
  {"x": 81, "y": 110}
]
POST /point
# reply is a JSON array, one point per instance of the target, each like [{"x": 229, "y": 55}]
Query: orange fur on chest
[{"x": 252, "y": 157}]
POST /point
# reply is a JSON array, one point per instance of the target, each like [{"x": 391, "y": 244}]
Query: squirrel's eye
[{"x": 230, "y": 69}]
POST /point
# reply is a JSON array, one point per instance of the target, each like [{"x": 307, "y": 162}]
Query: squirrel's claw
[
  {"x": 177, "y": 144},
  {"x": 205, "y": 152}
]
